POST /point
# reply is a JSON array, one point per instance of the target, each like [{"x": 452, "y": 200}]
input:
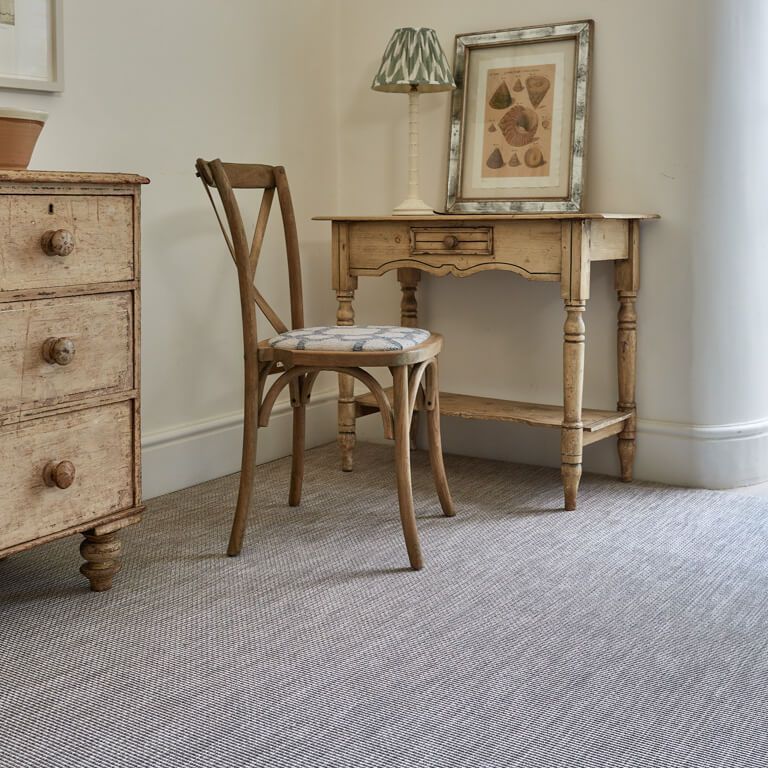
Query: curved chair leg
[
  {"x": 297, "y": 459},
  {"x": 247, "y": 469},
  {"x": 403, "y": 465},
  {"x": 435, "y": 441},
  {"x": 414, "y": 431}
]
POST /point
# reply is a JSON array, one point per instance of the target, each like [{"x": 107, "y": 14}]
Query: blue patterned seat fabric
[{"x": 355, "y": 338}]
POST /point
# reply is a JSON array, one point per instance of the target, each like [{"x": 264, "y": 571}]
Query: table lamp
[{"x": 413, "y": 62}]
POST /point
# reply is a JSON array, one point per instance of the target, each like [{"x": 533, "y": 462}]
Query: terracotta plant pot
[{"x": 19, "y": 129}]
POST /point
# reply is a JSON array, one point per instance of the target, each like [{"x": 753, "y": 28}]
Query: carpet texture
[{"x": 632, "y": 632}]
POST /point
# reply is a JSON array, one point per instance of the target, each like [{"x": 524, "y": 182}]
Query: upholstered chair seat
[{"x": 356, "y": 338}]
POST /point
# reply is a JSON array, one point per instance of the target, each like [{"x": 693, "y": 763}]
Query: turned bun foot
[{"x": 102, "y": 556}]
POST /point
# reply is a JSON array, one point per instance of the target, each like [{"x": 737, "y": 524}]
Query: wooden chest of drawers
[{"x": 70, "y": 448}]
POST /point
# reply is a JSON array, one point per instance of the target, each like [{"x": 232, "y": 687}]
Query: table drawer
[
  {"x": 97, "y": 230},
  {"x": 60, "y": 350},
  {"x": 97, "y": 442},
  {"x": 459, "y": 240},
  {"x": 531, "y": 247}
]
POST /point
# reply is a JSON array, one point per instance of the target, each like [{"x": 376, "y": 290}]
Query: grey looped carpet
[{"x": 632, "y": 632}]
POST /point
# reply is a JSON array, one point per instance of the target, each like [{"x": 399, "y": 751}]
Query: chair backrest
[{"x": 226, "y": 178}]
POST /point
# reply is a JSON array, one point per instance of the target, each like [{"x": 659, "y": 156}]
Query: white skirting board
[
  {"x": 715, "y": 456},
  {"x": 193, "y": 453},
  {"x": 720, "y": 456}
]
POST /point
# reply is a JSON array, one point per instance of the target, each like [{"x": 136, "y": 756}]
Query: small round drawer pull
[
  {"x": 58, "y": 351},
  {"x": 59, "y": 242},
  {"x": 59, "y": 475},
  {"x": 450, "y": 241}
]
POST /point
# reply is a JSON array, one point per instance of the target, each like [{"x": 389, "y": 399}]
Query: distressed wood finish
[
  {"x": 69, "y": 362},
  {"x": 87, "y": 289},
  {"x": 345, "y": 285},
  {"x": 70, "y": 178},
  {"x": 574, "y": 284},
  {"x": 431, "y": 403},
  {"x": 476, "y": 241},
  {"x": 102, "y": 559},
  {"x": 627, "y": 286},
  {"x": 96, "y": 442},
  {"x": 530, "y": 248},
  {"x": 572, "y": 431},
  {"x": 441, "y": 219},
  {"x": 607, "y": 240},
  {"x": 99, "y": 229},
  {"x": 494, "y": 409},
  {"x": 557, "y": 247},
  {"x": 297, "y": 369},
  {"x": 403, "y": 466},
  {"x": 409, "y": 318},
  {"x": 62, "y": 350}
]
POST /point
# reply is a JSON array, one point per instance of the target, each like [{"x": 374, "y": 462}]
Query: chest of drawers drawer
[
  {"x": 96, "y": 442},
  {"x": 70, "y": 436},
  {"x": 49, "y": 241},
  {"x": 59, "y": 350}
]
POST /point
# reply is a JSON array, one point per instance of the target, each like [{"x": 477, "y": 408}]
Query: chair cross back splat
[{"x": 299, "y": 355}]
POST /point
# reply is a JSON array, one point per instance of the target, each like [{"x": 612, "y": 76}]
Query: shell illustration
[
  {"x": 519, "y": 125},
  {"x": 518, "y": 86},
  {"x": 501, "y": 98},
  {"x": 514, "y": 161},
  {"x": 537, "y": 87},
  {"x": 495, "y": 160},
  {"x": 492, "y": 128},
  {"x": 533, "y": 157}
]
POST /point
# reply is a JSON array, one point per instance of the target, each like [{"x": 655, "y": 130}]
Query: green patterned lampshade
[{"x": 413, "y": 60}]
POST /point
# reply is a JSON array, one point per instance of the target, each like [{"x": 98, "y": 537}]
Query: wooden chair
[{"x": 299, "y": 355}]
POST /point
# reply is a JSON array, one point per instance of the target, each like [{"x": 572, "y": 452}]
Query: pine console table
[{"x": 554, "y": 247}]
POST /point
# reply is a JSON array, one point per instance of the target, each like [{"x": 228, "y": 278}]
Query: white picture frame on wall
[{"x": 31, "y": 45}]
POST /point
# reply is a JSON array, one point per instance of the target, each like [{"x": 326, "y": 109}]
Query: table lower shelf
[{"x": 597, "y": 424}]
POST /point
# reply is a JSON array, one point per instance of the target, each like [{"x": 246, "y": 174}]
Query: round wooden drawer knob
[
  {"x": 450, "y": 241},
  {"x": 58, "y": 351},
  {"x": 59, "y": 242},
  {"x": 59, "y": 475}
]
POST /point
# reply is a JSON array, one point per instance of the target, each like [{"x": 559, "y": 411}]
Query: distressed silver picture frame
[
  {"x": 582, "y": 32},
  {"x": 55, "y": 81}
]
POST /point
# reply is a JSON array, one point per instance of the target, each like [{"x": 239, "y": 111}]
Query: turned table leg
[
  {"x": 345, "y": 315},
  {"x": 627, "y": 285},
  {"x": 409, "y": 307},
  {"x": 571, "y": 434},
  {"x": 102, "y": 556},
  {"x": 627, "y": 351}
]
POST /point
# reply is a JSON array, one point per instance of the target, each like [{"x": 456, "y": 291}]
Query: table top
[{"x": 449, "y": 217}]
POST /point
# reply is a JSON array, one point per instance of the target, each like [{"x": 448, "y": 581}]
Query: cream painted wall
[
  {"x": 673, "y": 129},
  {"x": 150, "y": 86}
]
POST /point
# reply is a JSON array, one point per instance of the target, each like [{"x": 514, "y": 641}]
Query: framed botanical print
[
  {"x": 31, "y": 45},
  {"x": 519, "y": 120}
]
